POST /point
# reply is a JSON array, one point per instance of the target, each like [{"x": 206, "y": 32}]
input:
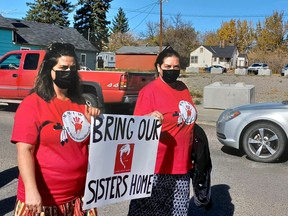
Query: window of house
[
  {"x": 194, "y": 59},
  {"x": 201, "y": 50},
  {"x": 83, "y": 59}
]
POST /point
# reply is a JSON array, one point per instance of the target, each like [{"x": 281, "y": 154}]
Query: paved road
[{"x": 240, "y": 187}]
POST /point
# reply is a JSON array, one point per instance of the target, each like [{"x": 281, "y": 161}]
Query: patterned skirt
[
  {"x": 73, "y": 208},
  {"x": 170, "y": 196}
]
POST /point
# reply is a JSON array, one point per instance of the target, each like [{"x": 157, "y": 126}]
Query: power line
[
  {"x": 150, "y": 11},
  {"x": 202, "y": 15}
]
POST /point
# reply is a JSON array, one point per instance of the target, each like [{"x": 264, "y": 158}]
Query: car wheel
[{"x": 264, "y": 142}]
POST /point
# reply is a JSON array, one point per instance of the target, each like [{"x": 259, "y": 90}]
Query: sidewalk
[{"x": 207, "y": 116}]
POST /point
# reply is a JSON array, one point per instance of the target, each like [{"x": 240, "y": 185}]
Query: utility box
[
  {"x": 216, "y": 71},
  {"x": 223, "y": 96},
  {"x": 264, "y": 72},
  {"x": 241, "y": 71}
]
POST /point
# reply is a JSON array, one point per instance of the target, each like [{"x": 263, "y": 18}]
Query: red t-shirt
[
  {"x": 62, "y": 149},
  {"x": 176, "y": 105}
]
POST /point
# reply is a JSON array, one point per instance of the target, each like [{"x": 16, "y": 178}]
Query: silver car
[
  {"x": 260, "y": 129},
  {"x": 254, "y": 68}
]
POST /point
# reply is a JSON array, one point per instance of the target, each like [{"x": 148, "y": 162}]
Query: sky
[{"x": 204, "y": 15}]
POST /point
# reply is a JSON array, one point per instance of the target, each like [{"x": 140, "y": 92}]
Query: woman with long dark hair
[{"x": 51, "y": 132}]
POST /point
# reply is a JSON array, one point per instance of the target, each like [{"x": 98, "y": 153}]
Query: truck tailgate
[{"x": 137, "y": 80}]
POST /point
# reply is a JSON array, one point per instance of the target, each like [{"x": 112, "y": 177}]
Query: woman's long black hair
[{"x": 44, "y": 85}]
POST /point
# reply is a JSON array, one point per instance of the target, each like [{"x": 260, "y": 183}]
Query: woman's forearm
[{"x": 26, "y": 165}]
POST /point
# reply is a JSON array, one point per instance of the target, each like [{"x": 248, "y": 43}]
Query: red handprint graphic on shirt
[{"x": 77, "y": 124}]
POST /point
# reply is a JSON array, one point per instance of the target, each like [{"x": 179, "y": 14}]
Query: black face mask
[
  {"x": 170, "y": 76},
  {"x": 64, "y": 79}
]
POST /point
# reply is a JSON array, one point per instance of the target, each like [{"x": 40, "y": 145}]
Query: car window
[
  {"x": 31, "y": 61},
  {"x": 10, "y": 62}
]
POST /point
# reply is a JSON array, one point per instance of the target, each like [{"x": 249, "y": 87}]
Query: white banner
[{"x": 122, "y": 156}]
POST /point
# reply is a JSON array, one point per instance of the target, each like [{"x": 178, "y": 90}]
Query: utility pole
[{"x": 160, "y": 29}]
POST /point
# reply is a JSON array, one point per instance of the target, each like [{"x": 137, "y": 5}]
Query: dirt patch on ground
[{"x": 272, "y": 88}]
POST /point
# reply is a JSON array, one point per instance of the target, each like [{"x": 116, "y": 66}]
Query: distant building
[
  {"x": 242, "y": 61},
  {"x": 17, "y": 34},
  {"x": 140, "y": 58},
  {"x": 206, "y": 56},
  {"x": 105, "y": 60}
]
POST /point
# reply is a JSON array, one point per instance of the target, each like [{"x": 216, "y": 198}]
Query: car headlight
[{"x": 228, "y": 115}]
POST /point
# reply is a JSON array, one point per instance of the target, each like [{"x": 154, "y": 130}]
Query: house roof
[
  {"x": 139, "y": 50},
  {"x": 5, "y": 23},
  {"x": 223, "y": 52},
  {"x": 243, "y": 55},
  {"x": 43, "y": 34}
]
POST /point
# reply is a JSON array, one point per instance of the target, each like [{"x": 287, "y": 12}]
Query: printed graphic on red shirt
[
  {"x": 75, "y": 125},
  {"x": 124, "y": 157},
  {"x": 187, "y": 113}
]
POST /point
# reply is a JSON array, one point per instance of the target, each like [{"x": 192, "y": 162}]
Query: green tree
[
  {"x": 210, "y": 38},
  {"x": 90, "y": 20},
  {"x": 270, "y": 36},
  {"x": 118, "y": 39},
  {"x": 227, "y": 32},
  {"x": 176, "y": 33},
  {"x": 52, "y": 12},
  {"x": 152, "y": 34},
  {"x": 120, "y": 22},
  {"x": 245, "y": 35},
  {"x": 182, "y": 37}
]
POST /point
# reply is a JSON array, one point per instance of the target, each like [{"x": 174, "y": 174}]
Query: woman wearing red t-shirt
[
  {"x": 51, "y": 132},
  {"x": 170, "y": 101}
]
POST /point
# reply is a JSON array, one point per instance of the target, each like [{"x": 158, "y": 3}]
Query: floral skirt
[{"x": 73, "y": 208}]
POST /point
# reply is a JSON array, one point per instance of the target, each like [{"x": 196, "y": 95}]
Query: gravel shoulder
[{"x": 272, "y": 88}]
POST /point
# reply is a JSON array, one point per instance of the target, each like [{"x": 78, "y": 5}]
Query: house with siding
[
  {"x": 16, "y": 34},
  {"x": 242, "y": 61},
  {"x": 206, "y": 56},
  {"x": 140, "y": 58}
]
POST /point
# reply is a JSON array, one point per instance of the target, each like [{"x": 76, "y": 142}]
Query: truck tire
[
  {"x": 93, "y": 101},
  {"x": 90, "y": 99}
]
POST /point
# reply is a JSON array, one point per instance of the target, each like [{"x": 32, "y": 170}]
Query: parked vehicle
[
  {"x": 208, "y": 69},
  {"x": 19, "y": 68},
  {"x": 284, "y": 70},
  {"x": 254, "y": 68},
  {"x": 85, "y": 68},
  {"x": 260, "y": 129}
]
